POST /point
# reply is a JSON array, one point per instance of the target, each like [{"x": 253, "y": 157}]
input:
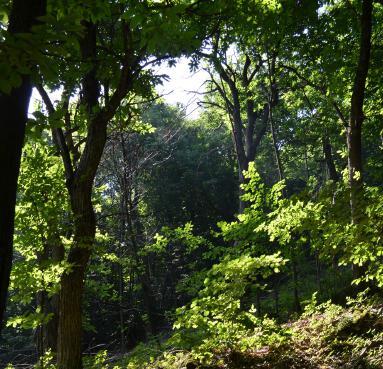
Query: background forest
[{"x": 249, "y": 236}]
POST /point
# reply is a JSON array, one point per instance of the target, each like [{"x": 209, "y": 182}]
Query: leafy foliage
[{"x": 176, "y": 276}]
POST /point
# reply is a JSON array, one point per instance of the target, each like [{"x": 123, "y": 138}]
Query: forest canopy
[{"x": 248, "y": 234}]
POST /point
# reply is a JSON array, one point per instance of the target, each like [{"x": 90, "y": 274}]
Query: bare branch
[
  {"x": 246, "y": 70},
  {"x": 211, "y": 103}
]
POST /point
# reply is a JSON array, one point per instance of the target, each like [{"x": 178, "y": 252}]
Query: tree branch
[
  {"x": 57, "y": 134},
  {"x": 321, "y": 89}
]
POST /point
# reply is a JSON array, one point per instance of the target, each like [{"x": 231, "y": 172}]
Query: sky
[{"x": 183, "y": 87}]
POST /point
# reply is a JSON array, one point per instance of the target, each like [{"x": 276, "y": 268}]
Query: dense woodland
[{"x": 133, "y": 236}]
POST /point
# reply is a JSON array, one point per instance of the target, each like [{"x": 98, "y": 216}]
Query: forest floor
[
  {"x": 326, "y": 337},
  {"x": 335, "y": 338}
]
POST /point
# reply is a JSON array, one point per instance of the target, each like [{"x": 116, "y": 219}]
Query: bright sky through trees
[{"x": 183, "y": 86}]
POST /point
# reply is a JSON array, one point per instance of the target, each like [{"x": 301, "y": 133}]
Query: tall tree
[
  {"x": 115, "y": 48},
  {"x": 354, "y": 129},
  {"x": 14, "y": 107},
  {"x": 244, "y": 100},
  {"x": 80, "y": 173}
]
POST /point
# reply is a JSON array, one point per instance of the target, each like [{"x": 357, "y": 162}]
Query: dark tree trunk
[
  {"x": 275, "y": 147},
  {"x": 328, "y": 157},
  {"x": 47, "y": 333},
  {"x": 249, "y": 143},
  {"x": 318, "y": 271},
  {"x": 72, "y": 284},
  {"x": 69, "y": 353},
  {"x": 306, "y": 163},
  {"x": 120, "y": 273},
  {"x": 297, "y": 305},
  {"x": 354, "y": 129},
  {"x": 121, "y": 309},
  {"x": 14, "y": 109},
  {"x": 354, "y": 145},
  {"x": 276, "y": 300},
  {"x": 273, "y": 99},
  {"x": 80, "y": 187},
  {"x": 69, "y": 348},
  {"x": 247, "y": 135}
]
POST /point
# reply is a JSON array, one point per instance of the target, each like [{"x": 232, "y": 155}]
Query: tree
[
  {"x": 114, "y": 48},
  {"x": 245, "y": 73},
  {"x": 240, "y": 96},
  {"x": 41, "y": 225},
  {"x": 161, "y": 171},
  {"x": 81, "y": 171},
  {"x": 14, "y": 102},
  {"x": 354, "y": 129}
]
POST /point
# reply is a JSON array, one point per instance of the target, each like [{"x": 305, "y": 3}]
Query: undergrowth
[{"x": 325, "y": 336}]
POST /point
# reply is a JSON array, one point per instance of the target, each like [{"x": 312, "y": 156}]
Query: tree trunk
[
  {"x": 80, "y": 175},
  {"x": 297, "y": 305},
  {"x": 306, "y": 163},
  {"x": 275, "y": 147},
  {"x": 273, "y": 100},
  {"x": 14, "y": 109},
  {"x": 120, "y": 272},
  {"x": 80, "y": 186},
  {"x": 318, "y": 271},
  {"x": 47, "y": 333},
  {"x": 327, "y": 151},
  {"x": 72, "y": 283},
  {"x": 239, "y": 146},
  {"x": 121, "y": 309},
  {"x": 276, "y": 300},
  {"x": 354, "y": 145},
  {"x": 70, "y": 323},
  {"x": 354, "y": 129}
]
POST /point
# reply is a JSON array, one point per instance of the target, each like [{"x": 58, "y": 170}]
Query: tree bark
[
  {"x": 247, "y": 135},
  {"x": 47, "y": 333},
  {"x": 273, "y": 99},
  {"x": 120, "y": 273},
  {"x": 72, "y": 284},
  {"x": 14, "y": 109},
  {"x": 354, "y": 146},
  {"x": 275, "y": 147},
  {"x": 297, "y": 305},
  {"x": 80, "y": 187},
  {"x": 70, "y": 322},
  {"x": 328, "y": 157},
  {"x": 354, "y": 129}
]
